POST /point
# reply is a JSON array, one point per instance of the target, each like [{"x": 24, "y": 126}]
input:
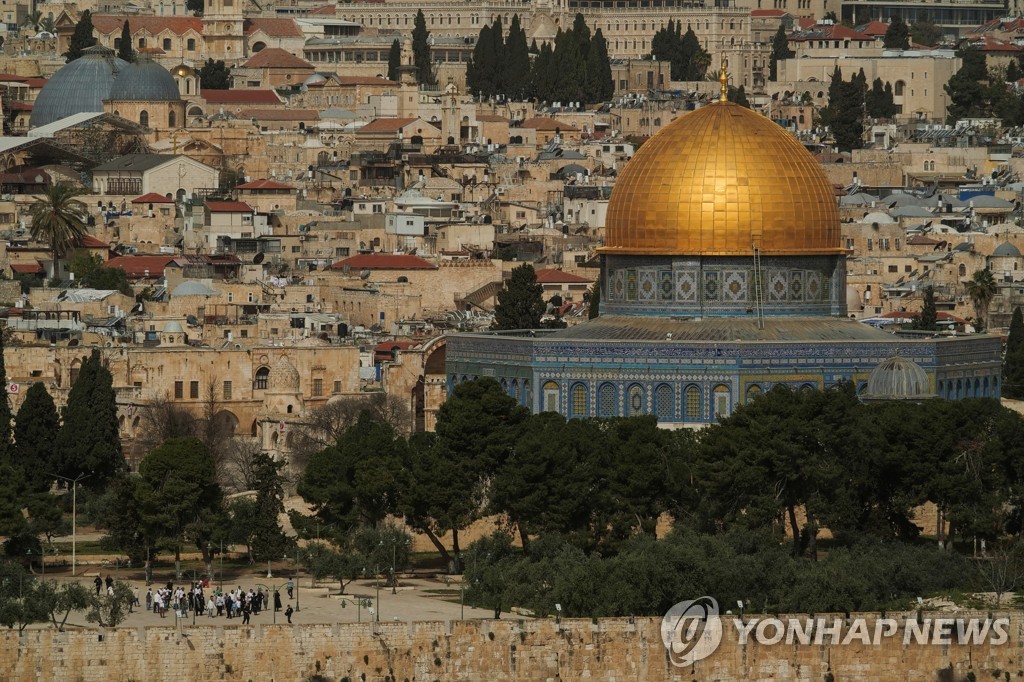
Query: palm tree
[
  {"x": 981, "y": 287},
  {"x": 33, "y": 21},
  {"x": 58, "y": 219},
  {"x": 48, "y": 25}
]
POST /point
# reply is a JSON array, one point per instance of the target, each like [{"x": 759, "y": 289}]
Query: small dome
[
  {"x": 77, "y": 87},
  {"x": 284, "y": 378},
  {"x": 144, "y": 81},
  {"x": 193, "y": 288},
  {"x": 1006, "y": 250},
  {"x": 173, "y": 327},
  {"x": 183, "y": 71},
  {"x": 898, "y": 378},
  {"x": 315, "y": 78}
]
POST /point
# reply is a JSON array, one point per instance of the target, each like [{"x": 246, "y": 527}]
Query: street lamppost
[
  {"x": 359, "y": 603},
  {"x": 74, "y": 514}
]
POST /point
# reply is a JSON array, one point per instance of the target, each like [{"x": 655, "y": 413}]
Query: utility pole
[{"x": 74, "y": 514}]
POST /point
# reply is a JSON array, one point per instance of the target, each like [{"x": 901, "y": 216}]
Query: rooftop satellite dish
[
  {"x": 191, "y": 319},
  {"x": 365, "y": 274},
  {"x": 137, "y": 308},
  {"x": 72, "y": 343},
  {"x": 258, "y": 258}
]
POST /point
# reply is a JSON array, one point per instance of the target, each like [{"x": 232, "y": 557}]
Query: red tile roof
[
  {"x": 154, "y": 25},
  {"x": 546, "y": 123},
  {"x": 152, "y": 198},
  {"x": 228, "y": 207},
  {"x": 491, "y": 118},
  {"x": 276, "y": 58},
  {"x": 384, "y": 261},
  {"x": 241, "y": 97},
  {"x": 264, "y": 184},
  {"x": 768, "y": 13},
  {"x": 385, "y": 125},
  {"x": 140, "y": 266},
  {"x": 33, "y": 268},
  {"x": 830, "y": 32},
  {"x": 874, "y": 28},
  {"x": 278, "y": 28},
  {"x": 329, "y": 10},
  {"x": 90, "y": 242},
  {"x": 555, "y": 276},
  {"x": 18, "y": 105}
]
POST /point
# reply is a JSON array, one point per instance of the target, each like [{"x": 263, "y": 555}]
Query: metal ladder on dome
[{"x": 758, "y": 287}]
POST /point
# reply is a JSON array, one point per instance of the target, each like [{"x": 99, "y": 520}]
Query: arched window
[
  {"x": 959, "y": 389},
  {"x": 753, "y": 391},
  {"x": 692, "y": 403},
  {"x": 514, "y": 389},
  {"x": 722, "y": 403},
  {"x": 962, "y": 270},
  {"x": 635, "y": 403},
  {"x": 664, "y": 402},
  {"x": 550, "y": 396},
  {"x": 579, "y": 401},
  {"x": 898, "y": 88},
  {"x": 262, "y": 376},
  {"x": 144, "y": 119},
  {"x": 984, "y": 388},
  {"x": 606, "y": 401},
  {"x": 172, "y": 120}
]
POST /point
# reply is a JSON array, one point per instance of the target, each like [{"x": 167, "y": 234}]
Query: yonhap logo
[{"x": 691, "y": 630}]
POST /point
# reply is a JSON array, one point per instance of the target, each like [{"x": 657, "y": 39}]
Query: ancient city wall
[{"x": 493, "y": 650}]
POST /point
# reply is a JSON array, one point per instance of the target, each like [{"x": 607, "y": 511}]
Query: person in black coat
[{"x": 277, "y": 600}]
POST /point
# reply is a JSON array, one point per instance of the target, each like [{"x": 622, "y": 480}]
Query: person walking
[
  {"x": 277, "y": 600},
  {"x": 149, "y": 599},
  {"x": 288, "y": 614},
  {"x": 99, "y": 584},
  {"x": 245, "y": 614}
]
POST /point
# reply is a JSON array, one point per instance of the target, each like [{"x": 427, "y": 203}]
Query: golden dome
[
  {"x": 183, "y": 71},
  {"x": 716, "y": 182}
]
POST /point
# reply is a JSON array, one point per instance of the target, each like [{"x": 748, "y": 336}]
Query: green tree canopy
[
  {"x": 214, "y": 75},
  {"x": 89, "y": 439},
  {"x": 780, "y": 51},
  {"x": 394, "y": 60},
  {"x": 58, "y": 219},
  {"x": 269, "y": 540},
  {"x": 981, "y": 288},
  {"x": 89, "y": 271},
  {"x": 926, "y": 33},
  {"x": 521, "y": 303},
  {"x": 6, "y": 415},
  {"x": 929, "y": 316},
  {"x": 81, "y": 38},
  {"x": 897, "y": 36},
  {"x": 1013, "y": 361},
  {"x": 177, "y": 494},
  {"x": 124, "y": 49},
  {"x": 35, "y": 434},
  {"x": 421, "y": 50}
]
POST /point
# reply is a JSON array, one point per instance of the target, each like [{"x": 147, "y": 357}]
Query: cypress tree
[
  {"x": 88, "y": 441},
  {"x": 517, "y": 61},
  {"x": 497, "y": 57},
  {"x": 739, "y": 96},
  {"x": 594, "y": 307},
  {"x": 541, "y": 81},
  {"x": 780, "y": 50},
  {"x": 124, "y": 50},
  {"x": 897, "y": 36},
  {"x": 81, "y": 38},
  {"x": 695, "y": 59},
  {"x": 521, "y": 303},
  {"x": 35, "y": 432},
  {"x": 5, "y": 409},
  {"x": 600, "y": 85},
  {"x": 268, "y": 540},
  {"x": 1013, "y": 362},
  {"x": 929, "y": 315},
  {"x": 890, "y": 102},
  {"x": 394, "y": 59},
  {"x": 421, "y": 49}
]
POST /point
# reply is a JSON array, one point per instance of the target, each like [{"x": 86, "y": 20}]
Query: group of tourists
[{"x": 194, "y": 599}]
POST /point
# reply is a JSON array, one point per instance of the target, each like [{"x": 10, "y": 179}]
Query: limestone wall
[{"x": 495, "y": 650}]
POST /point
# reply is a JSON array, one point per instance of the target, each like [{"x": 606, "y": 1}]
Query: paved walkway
[{"x": 416, "y": 600}]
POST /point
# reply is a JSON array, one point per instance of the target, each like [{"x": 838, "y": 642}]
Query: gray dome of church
[
  {"x": 898, "y": 378},
  {"x": 144, "y": 81},
  {"x": 78, "y": 87}
]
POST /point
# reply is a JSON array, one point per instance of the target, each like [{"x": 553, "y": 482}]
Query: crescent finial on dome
[{"x": 723, "y": 78}]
